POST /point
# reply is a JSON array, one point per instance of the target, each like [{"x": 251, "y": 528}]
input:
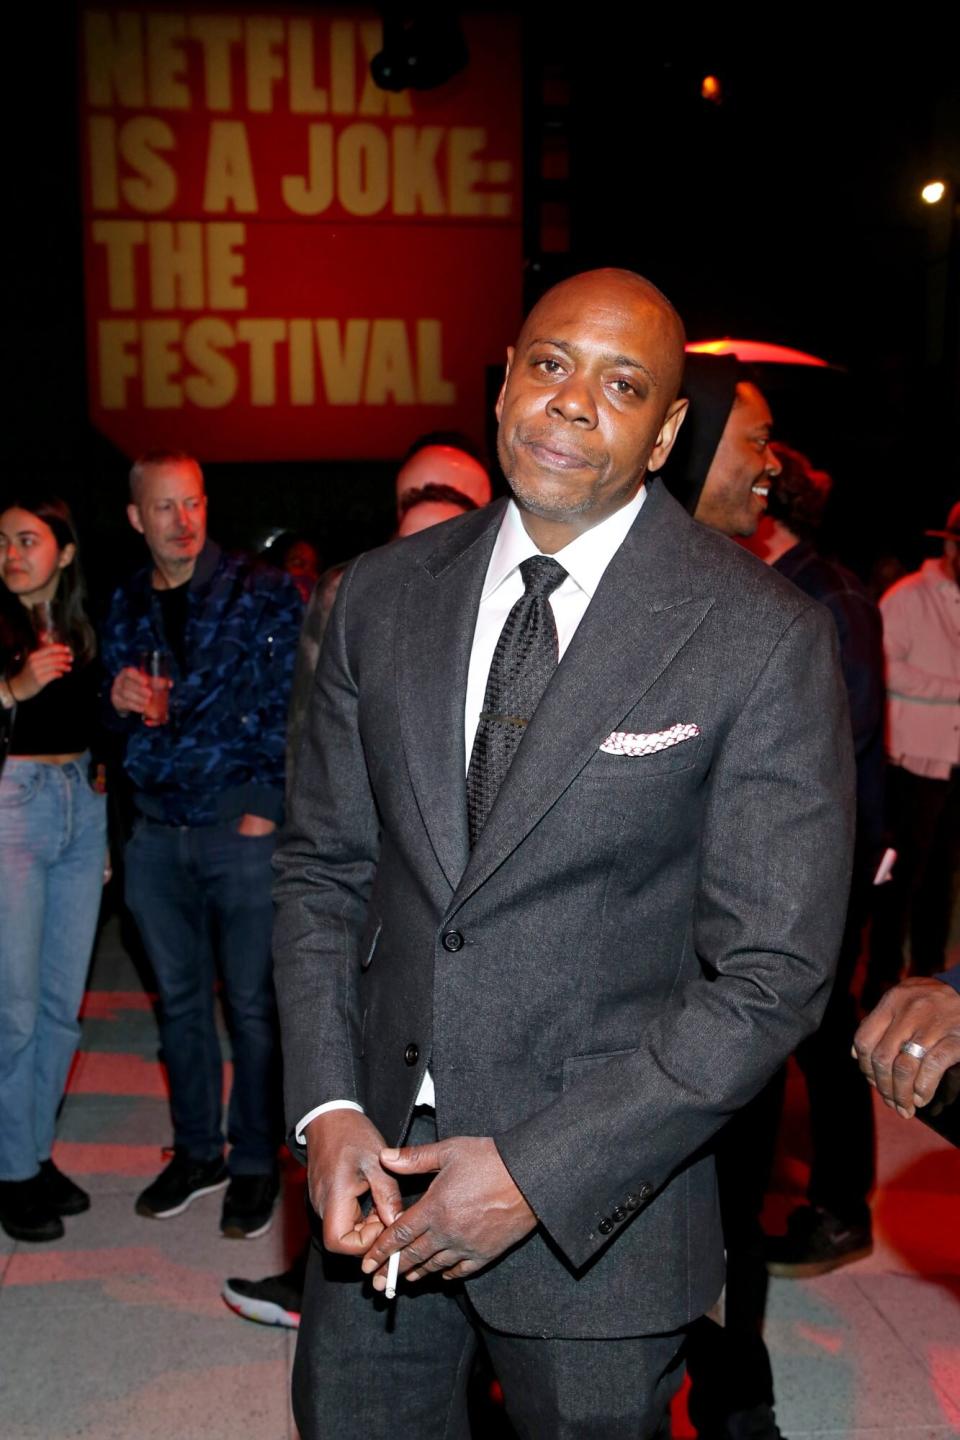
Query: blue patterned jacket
[{"x": 222, "y": 754}]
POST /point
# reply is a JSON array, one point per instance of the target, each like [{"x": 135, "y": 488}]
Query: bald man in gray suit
[{"x": 543, "y": 927}]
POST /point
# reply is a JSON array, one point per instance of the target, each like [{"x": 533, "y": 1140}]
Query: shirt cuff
[{"x": 322, "y": 1110}]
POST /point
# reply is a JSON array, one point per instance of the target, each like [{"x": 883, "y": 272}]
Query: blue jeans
[
  {"x": 53, "y": 838},
  {"x": 195, "y": 891}
]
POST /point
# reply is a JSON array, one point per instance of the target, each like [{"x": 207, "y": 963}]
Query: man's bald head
[
  {"x": 612, "y": 286},
  {"x": 589, "y": 401}
]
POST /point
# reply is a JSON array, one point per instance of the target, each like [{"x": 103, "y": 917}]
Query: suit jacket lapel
[
  {"x": 641, "y": 616},
  {"x": 435, "y": 634}
]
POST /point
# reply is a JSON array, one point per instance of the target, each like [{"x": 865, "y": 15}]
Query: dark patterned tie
[{"x": 526, "y": 656}]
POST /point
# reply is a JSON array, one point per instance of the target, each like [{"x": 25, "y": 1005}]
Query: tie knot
[{"x": 541, "y": 575}]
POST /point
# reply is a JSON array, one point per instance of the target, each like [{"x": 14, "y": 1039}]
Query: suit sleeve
[
  {"x": 951, "y": 977},
  {"x": 773, "y": 881},
  {"x": 325, "y": 865}
]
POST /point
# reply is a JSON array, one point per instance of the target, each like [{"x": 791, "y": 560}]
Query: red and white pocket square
[{"x": 624, "y": 742}]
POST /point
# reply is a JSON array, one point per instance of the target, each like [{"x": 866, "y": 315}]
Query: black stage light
[{"x": 422, "y": 48}]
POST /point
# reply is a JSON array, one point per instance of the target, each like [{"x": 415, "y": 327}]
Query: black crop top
[{"x": 63, "y": 719}]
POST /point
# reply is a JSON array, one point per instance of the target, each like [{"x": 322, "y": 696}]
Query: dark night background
[{"x": 788, "y": 213}]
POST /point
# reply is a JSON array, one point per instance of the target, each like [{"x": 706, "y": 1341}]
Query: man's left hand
[
  {"x": 471, "y": 1213},
  {"x": 255, "y": 825}
]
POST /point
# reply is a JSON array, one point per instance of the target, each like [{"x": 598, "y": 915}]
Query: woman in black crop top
[{"x": 52, "y": 851}]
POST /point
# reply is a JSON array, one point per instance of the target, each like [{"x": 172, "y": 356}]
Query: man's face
[
  {"x": 587, "y": 403},
  {"x": 734, "y": 495},
  {"x": 171, "y": 514}
]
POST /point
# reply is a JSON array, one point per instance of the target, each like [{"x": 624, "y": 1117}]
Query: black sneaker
[
  {"x": 757, "y": 1423},
  {"x": 816, "y": 1242},
  {"x": 275, "y": 1300},
  {"x": 248, "y": 1206},
  {"x": 64, "y": 1197},
  {"x": 183, "y": 1181},
  {"x": 26, "y": 1212}
]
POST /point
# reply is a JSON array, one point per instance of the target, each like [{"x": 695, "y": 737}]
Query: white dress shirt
[
  {"x": 584, "y": 559},
  {"x": 921, "y": 641}
]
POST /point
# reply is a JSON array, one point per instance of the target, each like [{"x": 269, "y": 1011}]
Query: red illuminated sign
[{"x": 282, "y": 261}]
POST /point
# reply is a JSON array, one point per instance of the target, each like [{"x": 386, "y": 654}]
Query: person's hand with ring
[{"x": 906, "y": 1044}]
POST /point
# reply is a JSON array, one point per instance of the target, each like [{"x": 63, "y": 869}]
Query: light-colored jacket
[{"x": 921, "y": 641}]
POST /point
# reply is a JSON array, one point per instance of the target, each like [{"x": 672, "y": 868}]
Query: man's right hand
[
  {"x": 343, "y": 1164},
  {"x": 130, "y": 692}
]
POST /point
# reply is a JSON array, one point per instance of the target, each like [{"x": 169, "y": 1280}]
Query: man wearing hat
[
  {"x": 722, "y": 465},
  {"x": 728, "y": 475},
  {"x": 921, "y": 624}
]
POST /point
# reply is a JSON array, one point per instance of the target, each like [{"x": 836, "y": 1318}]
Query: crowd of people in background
[{"x": 190, "y": 695}]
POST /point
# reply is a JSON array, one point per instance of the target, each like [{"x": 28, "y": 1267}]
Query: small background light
[
  {"x": 711, "y": 89},
  {"x": 934, "y": 192}
]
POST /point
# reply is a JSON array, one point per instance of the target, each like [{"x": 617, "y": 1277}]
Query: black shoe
[
  {"x": 756, "y": 1423},
  {"x": 64, "y": 1196},
  {"x": 183, "y": 1181},
  {"x": 275, "y": 1300},
  {"x": 248, "y": 1206},
  {"x": 816, "y": 1242},
  {"x": 26, "y": 1212}
]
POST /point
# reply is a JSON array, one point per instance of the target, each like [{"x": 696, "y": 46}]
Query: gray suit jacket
[{"x": 634, "y": 944}]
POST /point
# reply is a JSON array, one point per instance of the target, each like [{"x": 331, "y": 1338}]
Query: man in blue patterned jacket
[{"x": 208, "y": 789}]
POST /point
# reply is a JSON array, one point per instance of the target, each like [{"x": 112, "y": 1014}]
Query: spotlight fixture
[{"x": 422, "y": 48}]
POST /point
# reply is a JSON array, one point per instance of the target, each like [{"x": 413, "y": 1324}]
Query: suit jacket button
[
  {"x": 452, "y": 941},
  {"x": 605, "y": 1226},
  {"x": 645, "y": 1192},
  {"x": 618, "y": 1213},
  {"x": 411, "y": 1055},
  {"x": 632, "y": 1202}
]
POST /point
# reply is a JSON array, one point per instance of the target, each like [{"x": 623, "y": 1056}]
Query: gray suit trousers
[{"x": 370, "y": 1370}]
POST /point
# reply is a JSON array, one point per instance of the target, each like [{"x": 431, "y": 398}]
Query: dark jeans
[
  {"x": 196, "y": 892},
  {"x": 368, "y": 1370},
  {"x": 842, "y": 1130},
  {"x": 924, "y": 819},
  {"x": 729, "y": 1365}
]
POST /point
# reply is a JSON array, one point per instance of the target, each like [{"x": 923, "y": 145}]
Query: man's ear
[
  {"x": 498, "y": 408},
  {"x": 133, "y": 515},
  {"x": 669, "y": 431}
]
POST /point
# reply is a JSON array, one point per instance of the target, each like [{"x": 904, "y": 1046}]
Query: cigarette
[{"x": 393, "y": 1270}]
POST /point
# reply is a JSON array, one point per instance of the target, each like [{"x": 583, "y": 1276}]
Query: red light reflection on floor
[
  {"x": 828, "y": 1340},
  {"x": 944, "y": 1363},
  {"x": 99, "y": 1073},
  {"x": 129, "y": 1275},
  {"x": 108, "y": 1004},
  {"x": 76, "y": 1158}
]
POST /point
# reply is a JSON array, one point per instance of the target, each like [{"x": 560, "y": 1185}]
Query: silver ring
[{"x": 910, "y": 1047}]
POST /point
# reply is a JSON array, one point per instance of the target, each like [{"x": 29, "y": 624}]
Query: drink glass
[
  {"x": 44, "y": 623},
  {"x": 155, "y": 668}
]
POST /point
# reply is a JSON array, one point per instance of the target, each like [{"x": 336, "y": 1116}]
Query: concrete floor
[{"x": 118, "y": 1330}]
